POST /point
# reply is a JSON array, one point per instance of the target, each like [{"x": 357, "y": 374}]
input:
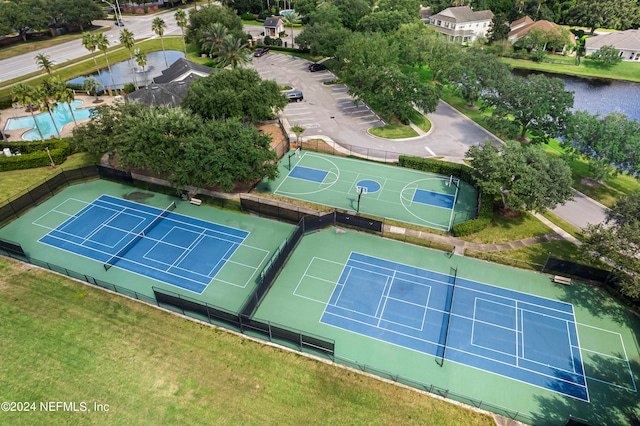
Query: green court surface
[
  {"x": 396, "y": 193},
  {"x": 607, "y": 332},
  {"x": 228, "y": 289}
]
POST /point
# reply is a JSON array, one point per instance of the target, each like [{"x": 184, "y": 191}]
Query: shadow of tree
[{"x": 608, "y": 405}]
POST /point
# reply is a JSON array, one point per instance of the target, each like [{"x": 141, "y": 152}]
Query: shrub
[
  {"x": 267, "y": 41},
  {"x": 248, "y": 16},
  {"x": 485, "y": 216},
  {"x": 283, "y": 49},
  {"x": 129, "y": 88},
  {"x": 263, "y": 15},
  {"x": 33, "y": 154}
]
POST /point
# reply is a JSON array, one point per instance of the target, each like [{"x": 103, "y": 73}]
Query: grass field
[
  {"x": 393, "y": 131},
  {"x": 63, "y": 341}
]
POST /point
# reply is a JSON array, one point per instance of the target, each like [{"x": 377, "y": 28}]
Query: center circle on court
[{"x": 370, "y": 185}]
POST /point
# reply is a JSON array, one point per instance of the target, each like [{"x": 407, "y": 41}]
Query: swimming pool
[{"x": 61, "y": 115}]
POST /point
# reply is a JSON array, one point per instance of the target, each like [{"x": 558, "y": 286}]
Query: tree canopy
[
  {"x": 607, "y": 56},
  {"x": 477, "y": 71},
  {"x": 179, "y": 145},
  {"x": 204, "y": 17},
  {"x": 236, "y": 93},
  {"x": 523, "y": 175},
  {"x": 539, "y": 104},
  {"x": 611, "y": 144},
  {"x": 617, "y": 241}
]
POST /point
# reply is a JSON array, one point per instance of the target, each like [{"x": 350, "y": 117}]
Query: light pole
[{"x": 116, "y": 9}]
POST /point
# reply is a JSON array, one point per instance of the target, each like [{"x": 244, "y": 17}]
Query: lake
[
  {"x": 122, "y": 70},
  {"x": 599, "y": 95}
]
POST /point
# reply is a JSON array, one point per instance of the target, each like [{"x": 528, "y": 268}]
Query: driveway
[
  {"x": 328, "y": 110},
  {"x": 582, "y": 211}
]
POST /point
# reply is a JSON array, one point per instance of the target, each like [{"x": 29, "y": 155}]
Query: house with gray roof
[
  {"x": 164, "y": 94},
  {"x": 626, "y": 42},
  {"x": 180, "y": 70},
  {"x": 273, "y": 26},
  {"x": 462, "y": 24}
]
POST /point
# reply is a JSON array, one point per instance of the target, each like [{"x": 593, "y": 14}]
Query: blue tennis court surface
[
  {"x": 513, "y": 334},
  {"x": 433, "y": 198},
  {"x": 307, "y": 173},
  {"x": 178, "y": 250}
]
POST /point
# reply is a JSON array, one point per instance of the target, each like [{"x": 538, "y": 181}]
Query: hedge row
[
  {"x": 282, "y": 49},
  {"x": 33, "y": 154},
  {"x": 485, "y": 216},
  {"x": 461, "y": 171},
  {"x": 466, "y": 174}
]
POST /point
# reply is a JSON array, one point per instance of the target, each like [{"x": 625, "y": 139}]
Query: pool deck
[{"x": 67, "y": 129}]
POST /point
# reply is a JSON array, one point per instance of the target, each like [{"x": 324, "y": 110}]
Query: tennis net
[
  {"x": 113, "y": 259},
  {"x": 449, "y": 308}
]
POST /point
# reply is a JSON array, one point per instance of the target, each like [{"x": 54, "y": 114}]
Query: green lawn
[
  {"x": 567, "y": 65},
  {"x": 393, "y": 131},
  {"x": 64, "y": 341},
  {"x": 563, "y": 224},
  {"x": 504, "y": 230},
  {"x": 15, "y": 181},
  {"x": 530, "y": 257},
  {"x": 421, "y": 121}
]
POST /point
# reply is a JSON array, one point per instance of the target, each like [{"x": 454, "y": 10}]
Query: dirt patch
[
  {"x": 473, "y": 107},
  {"x": 508, "y": 213},
  {"x": 278, "y": 138},
  {"x": 590, "y": 182}
]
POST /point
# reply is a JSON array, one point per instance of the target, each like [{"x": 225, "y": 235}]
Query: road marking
[{"x": 433, "y": 154}]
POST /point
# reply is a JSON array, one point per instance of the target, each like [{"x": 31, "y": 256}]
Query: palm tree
[
  {"x": 181, "y": 21},
  {"x": 141, "y": 60},
  {"x": 158, "y": 27},
  {"x": 44, "y": 62},
  {"x": 89, "y": 41},
  {"x": 298, "y": 130},
  {"x": 103, "y": 44},
  {"x": 232, "y": 52},
  {"x": 291, "y": 18},
  {"x": 65, "y": 94},
  {"x": 48, "y": 100},
  {"x": 91, "y": 85},
  {"x": 127, "y": 40},
  {"x": 213, "y": 36},
  {"x": 27, "y": 95}
]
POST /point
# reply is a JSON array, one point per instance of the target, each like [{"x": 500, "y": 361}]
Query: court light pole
[{"x": 359, "y": 195}]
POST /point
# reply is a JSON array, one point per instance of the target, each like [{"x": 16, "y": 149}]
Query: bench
[
  {"x": 561, "y": 280},
  {"x": 195, "y": 201}
]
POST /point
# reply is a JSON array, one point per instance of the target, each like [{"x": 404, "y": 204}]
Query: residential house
[
  {"x": 180, "y": 70},
  {"x": 170, "y": 88},
  {"x": 627, "y": 42},
  {"x": 462, "y": 23},
  {"x": 522, "y": 26},
  {"x": 273, "y": 26}
]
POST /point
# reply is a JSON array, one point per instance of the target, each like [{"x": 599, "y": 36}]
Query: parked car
[
  {"x": 316, "y": 67},
  {"x": 260, "y": 51},
  {"x": 120, "y": 23},
  {"x": 294, "y": 95}
]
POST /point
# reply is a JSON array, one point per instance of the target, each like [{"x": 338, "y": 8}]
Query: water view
[
  {"x": 601, "y": 96},
  {"x": 122, "y": 70}
]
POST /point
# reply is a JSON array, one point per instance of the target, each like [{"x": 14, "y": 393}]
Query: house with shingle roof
[
  {"x": 626, "y": 42},
  {"x": 522, "y": 26},
  {"x": 180, "y": 69},
  {"x": 165, "y": 94},
  {"x": 462, "y": 24},
  {"x": 273, "y": 26}
]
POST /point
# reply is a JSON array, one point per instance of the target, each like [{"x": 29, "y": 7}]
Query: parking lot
[{"x": 326, "y": 109}]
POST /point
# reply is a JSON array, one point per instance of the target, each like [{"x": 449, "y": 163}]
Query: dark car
[
  {"x": 120, "y": 23},
  {"x": 294, "y": 95},
  {"x": 260, "y": 51},
  {"x": 316, "y": 67}
]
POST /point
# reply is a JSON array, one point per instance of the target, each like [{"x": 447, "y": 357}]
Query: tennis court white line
[
  {"x": 382, "y": 296},
  {"x": 186, "y": 221},
  {"x": 223, "y": 258},
  {"x": 571, "y": 346},
  {"x": 519, "y": 334}
]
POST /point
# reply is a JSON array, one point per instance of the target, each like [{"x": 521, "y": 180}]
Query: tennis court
[
  {"x": 170, "y": 247},
  {"x": 494, "y": 333},
  {"x": 151, "y": 240},
  {"x": 402, "y": 194}
]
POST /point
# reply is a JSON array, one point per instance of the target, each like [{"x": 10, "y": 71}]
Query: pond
[
  {"x": 122, "y": 70},
  {"x": 600, "y": 95}
]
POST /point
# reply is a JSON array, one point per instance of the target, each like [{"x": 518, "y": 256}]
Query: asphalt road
[{"x": 582, "y": 211}]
